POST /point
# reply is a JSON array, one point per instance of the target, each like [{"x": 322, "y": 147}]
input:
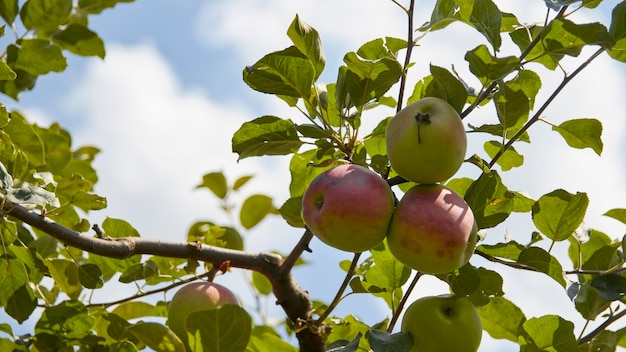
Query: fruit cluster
[{"x": 431, "y": 229}]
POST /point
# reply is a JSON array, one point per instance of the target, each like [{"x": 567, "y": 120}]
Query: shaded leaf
[
  {"x": 611, "y": 287},
  {"x": 80, "y": 41},
  {"x": 382, "y": 341},
  {"x": 266, "y": 135},
  {"x": 90, "y": 276},
  {"x": 156, "y": 336},
  {"x": 488, "y": 68},
  {"x": 225, "y": 329},
  {"x": 9, "y": 10},
  {"x": 544, "y": 262}
]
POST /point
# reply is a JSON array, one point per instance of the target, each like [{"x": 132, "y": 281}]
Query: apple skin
[
  {"x": 443, "y": 323},
  {"x": 432, "y": 230},
  {"x": 194, "y": 297},
  {"x": 429, "y": 151},
  {"x": 348, "y": 207}
]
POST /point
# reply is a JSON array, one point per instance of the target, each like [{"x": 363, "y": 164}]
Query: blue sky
[{"x": 164, "y": 103}]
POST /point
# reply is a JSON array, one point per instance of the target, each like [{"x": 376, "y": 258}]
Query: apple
[
  {"x": 426, "y": 141},
  {"x": 348, "y": 207},
  {"x": 443, "y": 323},
  {"x": 194, "y": 297},
  {"x": 432, "y": 230}
]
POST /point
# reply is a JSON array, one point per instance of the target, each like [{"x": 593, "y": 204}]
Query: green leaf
[
  {"x": 611, "y": 287},
  {"x": 548, "y": 333},
  {"x": 559, "y": 213},
  {"x": 288, "y": 72},
  {"x": 266, "y": 341},
  {"x": 221, "y": 330},
  {"x": 32, "y": 196},
  {"x": 254, "y": 209},
  {"x": 541, "y": 260},
  {"x": 45, "y": 14},
  {"x": 96, "y": 6},
  {"x": 65, "y": 275},
  {"x": 618, "y": 214},
  {"x": 511, "y": 105},
  {"x": 291, "y": 211},
  {"x": 508, "y": 160},
  {"x": 135, "y": 309},
  {"x": 9, "y": 10},
  {"x": 261, "y": 283},
  {"x": 446, "y": 86},
  {"x": 604, "y": 341},
  {"x": 490, "y": 200},
  {"x": 589, "y": 303},
  {"x": 141, "y": 271},
  {"x": 394, "y": 273},
  {"x": 23, "y": 135},
  {"x": 307, "y": 40},
  {"x": 487, "y": 19},
  {"x": 617, "y": 30},
  {"x": 366, "y": 80},
  {"x": 582, "y": 133},
  {"x": 240, "y": 182},
  {"x": 448, "y": 11},
  {"x": 80, "y": 41},
  {"x": 488, "y": 68},
  {"x": 266, "y": 135},
  {"x": 382, "y": 341},
  {"x": 6, "y": 73},
  {"x": 38, "y": 57},
  {"x": 501, "y": 318},
  {"x": 117, "y": 228},
  {"x": 216, "y": 182},
  {"x": 477, "y": 284},
  {"x": 21, "y": 303},
  {"x": 90, "y": 276},
  {"x": 597, "y": 252},
  {"x": 155, "y": 336}
]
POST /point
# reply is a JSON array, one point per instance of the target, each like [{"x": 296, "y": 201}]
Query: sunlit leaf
[
  {"x": 617, "y": 30},
  {"x": 582, "y": 133},
  {"x": 267, "y": 135},
  {"x": 216, "y": 182},
  {"x": 487, "y": 19},
  {"x": 261, "y": 283},
  {"x": 501, "y": 318},
  {"x": 254, "y": 209},
  {"x": 307, "y": 40},
  {"x": 559, "y": 213},
  {"x": 96, "y": 6},
  {"x": 548, "y": 333},
  {"x": 118, "y": 228},
  {"x": 224, "y": 329},
  {"x": 45, "y": 14},
  {"x": 618, "y": 214},
  {"x": 508, "y": 160},
  {"x": 542, "y": 261},
  {"x": 291, "y": 211},
  {"x": 80, "y": 41},
  {"x": 156, "y": 336}
]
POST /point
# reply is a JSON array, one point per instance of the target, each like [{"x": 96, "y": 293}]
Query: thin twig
[
  {"x": 602, "y": 327},
  {"x": 342, "y": 288},
  {"x": 396, "y": 314},
  {"x": 409, "y": 51}
]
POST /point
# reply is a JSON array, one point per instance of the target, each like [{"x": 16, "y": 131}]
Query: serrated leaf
[
  {"x": 38, "y": 57},
  {"x": 266, "y": 135},
  {"x": 618, "y": 214},
  {"x": 226, "y": 329},
  {"x": 254, "y": 209},
  {"x": 488, "y": 68},
  {"x": 544, "y": 262},
  {"x": 559, "y": 213},
  {"x": 308, "y": 42},
  {"x": 548, "y": 333},
  {"x": 45, "y": 14},
  {"x": 508, "y": 160},
  {"x": 501, "y": 318},
  {"x": 216, "y": 182},
  {"x": 582, "y": 133},
  {"x": 288, "y": 72},
  {"x": 80, "y": 41}
]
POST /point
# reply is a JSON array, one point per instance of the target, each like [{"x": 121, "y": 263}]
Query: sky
[{"x": 166, "y": 100}]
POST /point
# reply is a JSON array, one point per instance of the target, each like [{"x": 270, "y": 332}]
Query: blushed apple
[
  {"x": 426, "y": 141},
  {"x": 432, "y": 230},
  {"x": 348, "y": 207},
  {"x": 194, "y": 297},
  {"x": 443, "y": 323}
]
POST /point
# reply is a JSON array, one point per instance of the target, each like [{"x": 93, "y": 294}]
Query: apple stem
[{"x": 421, "y": 118}]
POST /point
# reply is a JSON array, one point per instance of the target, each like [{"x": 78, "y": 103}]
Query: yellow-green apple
[
  {"x": 194, "y": 297},
  {"x": 443, "y": 323},
  {"x": 348, "y": 207},
  {"x": 432, "y": 230},
  {"x": 426, "y": 141}
]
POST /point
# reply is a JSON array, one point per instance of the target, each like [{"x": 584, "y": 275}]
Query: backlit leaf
[
  {"x": 618, "y": 214},
  {"x": 489, "y": 68},
  {"x": 45, "y": 14},
  {"x": 508, "y": 160},
  {"x": 559, "y": 213},
  {"x": 38, "y": 57},
  {"x": 254, "y": 209},
  {"x": 96, "y": 6},
  {"x": 90, "y": 276},
  {"x": 542, "y": 261},
  {"x": 216, "y": 182},
  {"x": 617, "y": 30},
  {"x": 487, "y": 19},
  {"x": 226, "y": 329},
  {"x": 80, "y": 41},
  {"x": 582, "y": 133},
  {"x": 307, "y": 40},
  {"x": 261, "y": 283},
  {"x": 118, "y": 228},
  {"x": 156, "y": 336},
  {"x": 548, "y": 333},
  {"x": 501, "y": 318},
  {"x": 9, "y": 10}
]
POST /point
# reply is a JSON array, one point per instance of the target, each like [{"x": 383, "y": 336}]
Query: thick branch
[{"x": 294, "y": 300}]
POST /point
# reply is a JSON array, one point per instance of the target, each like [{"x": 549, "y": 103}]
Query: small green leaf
[
  {"x": 589, "y": 303},
  {"x": 559, "y": 213},
  {"x": 216, "y": 182},
  {"x": 6, "y": 73},
  {"x": 80, "y": 41},
  {"x": 9, "y": 10},
  {"x": 117, "y": 228},
  {"x": 618, "y": 214},
  {"x": 21, "y": 303},
  {"x": 307, "y": 40},
  {"x": 291, "y": 211},
  {"x": 582, "y": 133},
  {"x": 156, "y": 336},
  {"x": 96, "y": 6},
  {"x": 487, "y": 19},
  {"x": 90, "y": 276},
  {"x": 508, "y": 160},
  {"x": 141, "y": 271},
  {"x": 267, "y": 135},
  {"x": 511, "y": 105},
  {"x": 261, "y": 283},
  {"x": 288, "y": 72},
  {"x": 226, "y": 329},
  {"x": 240, "y": 182},
  {"x": 135, "y": 309},
  {"x": 38, "y": 57},
  {"x": 617, "y": 30},
  {"x": 548, "y": 333},
  {"x": 65, "y": 275},
  {"x": 254, "y": 209},
  {"x": 45, "y": 14},
  {"x": 501, "y": 318},
  {"x": 23, "y": 135},
  {"x": 367, "y": 80},
  {"x": 488, "y": 68},
  {"x": 544, "y": 262},
  {"x": 490, "y": 200}
]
